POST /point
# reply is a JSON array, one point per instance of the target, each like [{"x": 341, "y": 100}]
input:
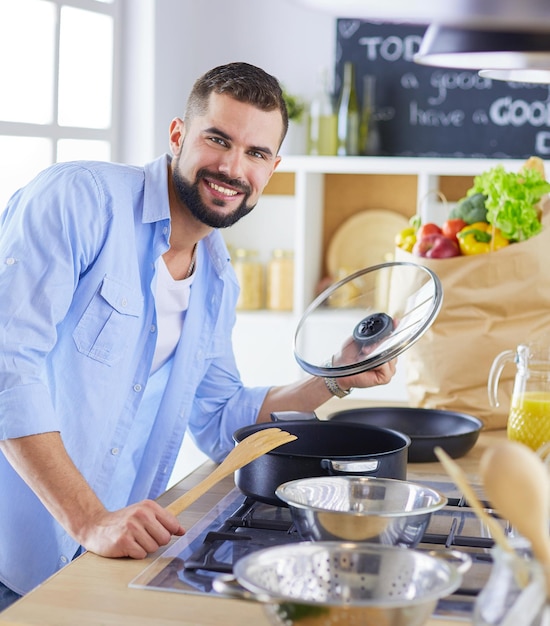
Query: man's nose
[{"x": 231, "y": 164}]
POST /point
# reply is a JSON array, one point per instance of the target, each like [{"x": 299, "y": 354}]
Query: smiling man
[{"x": 118, "y": 303}]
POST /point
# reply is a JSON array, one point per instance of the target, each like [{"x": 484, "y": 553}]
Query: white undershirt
[{"x": 172, "y": 300}]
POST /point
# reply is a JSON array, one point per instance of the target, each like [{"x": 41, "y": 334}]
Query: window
[{"x": 57, "y": 76}]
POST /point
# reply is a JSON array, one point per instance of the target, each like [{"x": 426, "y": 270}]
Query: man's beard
[{"x": 188, "y": 193}]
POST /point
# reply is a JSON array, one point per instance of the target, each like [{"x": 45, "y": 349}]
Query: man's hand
[
  {"x": 135, "y": 531},
  {"x": 380, "y": 375},
  {"x": 353, "y": 352}
]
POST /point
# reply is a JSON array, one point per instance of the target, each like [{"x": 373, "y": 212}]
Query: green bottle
[
  {"x": 348, "y": 114},
  {"x": 369, "y": 134},
  {"x": 322, "y": 135}
]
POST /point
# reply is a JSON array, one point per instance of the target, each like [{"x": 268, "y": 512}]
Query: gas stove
[{"x": 238, "y": 525}]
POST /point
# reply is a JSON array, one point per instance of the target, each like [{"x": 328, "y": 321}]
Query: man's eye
[
  {"x": 258, "y": 155},
  {"x": 219, "y": 140}
]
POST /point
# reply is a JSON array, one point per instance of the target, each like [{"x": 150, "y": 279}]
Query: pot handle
[
  {"x": 460, "y": 560},
  {"x": 229, "y": 586},
  {"x": 359, "y": 468},
  {"x": 291, "y": 416}
]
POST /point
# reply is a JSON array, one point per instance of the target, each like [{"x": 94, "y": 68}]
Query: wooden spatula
[{"x": 244, "y": 452}]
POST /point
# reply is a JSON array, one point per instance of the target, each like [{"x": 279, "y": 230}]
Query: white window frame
[{"x": 53, "y": 131}]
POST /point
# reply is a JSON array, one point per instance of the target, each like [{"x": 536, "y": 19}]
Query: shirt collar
[
  {"x": 156, "y": 208},
  {"x": 155, "y": 196}
]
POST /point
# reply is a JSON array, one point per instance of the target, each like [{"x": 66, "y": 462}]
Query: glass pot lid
[{"x": 367, "y": 319}]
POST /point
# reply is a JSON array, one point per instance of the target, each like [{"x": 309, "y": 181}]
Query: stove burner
[
  {"x": 239, "y": 525},
  {"x": 205, "y": 556}
]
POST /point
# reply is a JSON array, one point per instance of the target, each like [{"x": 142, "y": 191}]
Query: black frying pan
[{"x": 455, "y": 432}]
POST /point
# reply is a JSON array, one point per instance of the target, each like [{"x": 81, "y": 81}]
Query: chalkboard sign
[{"x": 428, "y": 111}]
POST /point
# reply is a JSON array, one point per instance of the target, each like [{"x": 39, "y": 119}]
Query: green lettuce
[{"x": 511, "y": 200}]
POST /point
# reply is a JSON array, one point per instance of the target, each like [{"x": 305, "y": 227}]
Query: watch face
[{"x": 367, "y": 319}]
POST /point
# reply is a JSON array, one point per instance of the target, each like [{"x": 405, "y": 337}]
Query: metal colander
[
  {"x": 332, "y": 583},
  {"x": 360, "y": 508}
]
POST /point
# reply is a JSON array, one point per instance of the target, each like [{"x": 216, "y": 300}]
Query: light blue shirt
[{"x": 78, "y": 247}]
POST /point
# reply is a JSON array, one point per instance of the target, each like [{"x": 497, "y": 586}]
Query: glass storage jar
[
  {"x": 515, "y": 592},
  {"x": 250, "y": 274},
  {"x": 280, "y": 280}
]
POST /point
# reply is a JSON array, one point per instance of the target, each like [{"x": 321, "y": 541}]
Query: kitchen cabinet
[{"x": 307, "y": 199}]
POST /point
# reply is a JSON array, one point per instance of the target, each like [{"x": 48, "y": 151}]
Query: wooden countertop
[{"x": 93, "y": 590}]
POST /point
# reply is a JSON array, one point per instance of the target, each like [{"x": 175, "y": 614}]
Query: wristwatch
[
  {"x": 332, "y": 384},
  {"x": 335, "y": 388}
]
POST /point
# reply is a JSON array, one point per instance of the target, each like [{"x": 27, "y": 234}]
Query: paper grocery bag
[{"x": 491, "y": 303}]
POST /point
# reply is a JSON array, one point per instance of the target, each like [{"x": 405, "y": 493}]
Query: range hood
[
  {"x": 503, "y": 39},
  {"x": 499, "y": 54},
  {"x": 530, "y": 15}
]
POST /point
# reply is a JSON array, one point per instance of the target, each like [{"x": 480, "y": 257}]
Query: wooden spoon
[
  {"x": 517, "y": 484},
  {"x": 244, "y": 452}
]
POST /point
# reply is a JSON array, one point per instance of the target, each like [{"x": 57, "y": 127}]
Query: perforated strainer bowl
[{"x": 352, "y": 584}]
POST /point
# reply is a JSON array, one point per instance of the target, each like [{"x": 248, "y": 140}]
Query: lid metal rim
[{"x": 383, "y": 357}]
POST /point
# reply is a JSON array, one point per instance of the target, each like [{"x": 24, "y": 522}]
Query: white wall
[
  {"x": 192, "y": 36},
  {"x": 167, "y": 44}
]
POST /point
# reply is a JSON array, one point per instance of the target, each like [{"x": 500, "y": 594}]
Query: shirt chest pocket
[{"x": 107, "y": 323}]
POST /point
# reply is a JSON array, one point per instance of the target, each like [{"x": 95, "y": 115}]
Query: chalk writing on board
[{"x": 429, "y": 111}]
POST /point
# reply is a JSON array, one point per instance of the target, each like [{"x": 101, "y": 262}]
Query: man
[{"x": 118, "y": 301}]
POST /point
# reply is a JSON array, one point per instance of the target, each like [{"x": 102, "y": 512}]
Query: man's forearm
[
  {"x": 44, "y": 464},
  {"x": 311, "y": 392},
  {"x": 305, "y": 395}
]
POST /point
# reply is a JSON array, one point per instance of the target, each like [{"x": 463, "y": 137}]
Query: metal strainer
[{"x": 332, "y": 583}]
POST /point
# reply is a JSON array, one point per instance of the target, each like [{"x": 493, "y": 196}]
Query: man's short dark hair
[{"x": 243, "y": 82}]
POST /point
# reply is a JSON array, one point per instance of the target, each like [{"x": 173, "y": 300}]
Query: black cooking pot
[{"x": 322, "y": 448}]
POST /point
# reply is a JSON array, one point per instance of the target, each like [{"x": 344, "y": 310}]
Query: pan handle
[
  {"x": 291, "y": 416},
  {"x": 350, "y": 467},
  {"x": 229, "y": 586},
  {"x": 460, "y": 560}
]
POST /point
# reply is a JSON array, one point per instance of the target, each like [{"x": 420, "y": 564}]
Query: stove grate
[{"x": 239, "y": 525}]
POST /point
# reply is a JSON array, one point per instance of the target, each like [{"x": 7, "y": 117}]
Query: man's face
[{"x": 223, "y": 159}]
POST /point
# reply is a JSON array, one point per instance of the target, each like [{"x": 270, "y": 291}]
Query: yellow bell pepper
[
  {"x": 406, "y": 239},
  {"x": 480, "y": 238}
]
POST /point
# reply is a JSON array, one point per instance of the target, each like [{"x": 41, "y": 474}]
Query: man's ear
[{"x": 176, "y": 135}]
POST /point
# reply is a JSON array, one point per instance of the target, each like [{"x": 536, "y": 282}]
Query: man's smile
[{"x": 221, "y": 189}]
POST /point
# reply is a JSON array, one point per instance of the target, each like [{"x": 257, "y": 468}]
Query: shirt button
[
  {"x": 114, "y": 451},
  {"x": 10, "y": 261},
  {"x": 64, "y": 559},
  {"x": 124, "y": 302},
  {"x": 165, "y": 230},
  {"x": 153, "y": 328},
  {"x": 137, "y": 387}
]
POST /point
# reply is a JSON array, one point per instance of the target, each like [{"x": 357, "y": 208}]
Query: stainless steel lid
[{"x": 367, "y": 319}]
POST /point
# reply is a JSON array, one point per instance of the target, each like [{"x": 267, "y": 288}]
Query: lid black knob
[{"x": 373, "y": 328}]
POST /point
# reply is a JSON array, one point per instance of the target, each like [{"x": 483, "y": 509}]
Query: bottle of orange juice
[{"x": 529, "y": 416}]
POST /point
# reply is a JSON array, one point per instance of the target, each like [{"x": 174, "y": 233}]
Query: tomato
[
  {"x": 436, "y": 246},
  {"x": 429, "y": 228},
  {"x": 453, "y": 226}
]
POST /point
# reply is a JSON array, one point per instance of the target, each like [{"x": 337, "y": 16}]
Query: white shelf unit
[
  {"x": 309, "y": 198},
  {"x": 264, "y": 339}
]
